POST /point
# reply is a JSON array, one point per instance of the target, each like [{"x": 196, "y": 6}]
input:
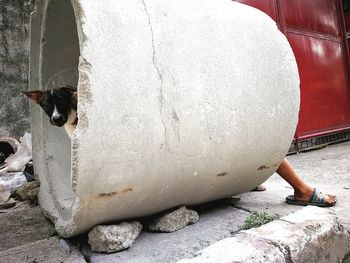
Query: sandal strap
[{"x": 317, "y": 197}]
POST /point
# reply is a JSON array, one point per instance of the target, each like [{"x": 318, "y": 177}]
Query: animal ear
[
  {"x": 69, "y": 89},
  {"x": 34, "y": 95}
]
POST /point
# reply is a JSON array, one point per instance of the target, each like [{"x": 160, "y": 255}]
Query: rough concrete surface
[
  {"x": 14, "y": 58},
  {"x": 174, "y": 220},
  {"x": 75, "y": 257},
  {"x": 114, "y": 238},
  {"x": 20, "y": 227},
  {"x": 237, "y": 249},
  {"x": 42, "y": 251}
]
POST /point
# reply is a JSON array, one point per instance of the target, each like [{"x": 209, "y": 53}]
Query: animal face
[{"x": 57, "y": 103}]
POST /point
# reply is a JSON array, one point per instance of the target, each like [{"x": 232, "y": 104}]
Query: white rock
[
  {"x": 12, "y": 181},
  {"x": 174, "y": 220},
  {"x": 4, "y": 194},
  {"x": 114, "y": 238},
  {"x": 17, "y": 161}
]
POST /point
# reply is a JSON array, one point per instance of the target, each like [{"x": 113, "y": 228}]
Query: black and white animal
[{"x": 59, "y": 104}]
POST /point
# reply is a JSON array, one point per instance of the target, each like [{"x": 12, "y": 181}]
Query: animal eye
[{"x": 45, "y": 104}]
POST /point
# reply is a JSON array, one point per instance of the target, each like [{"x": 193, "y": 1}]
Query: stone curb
[{"x": 311, "y": 234}]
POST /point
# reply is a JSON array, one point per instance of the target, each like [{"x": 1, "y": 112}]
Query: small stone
[
  {"x": 174, "y": 220},
  {"x": 12, "y": 181},
  {"x": 32, "y": 195},
  {"x": 114, "y": 238},
  {"x": 25, "y": 191},
  {"x": 4, "y": 194},
  {"x": 8, "y": 204}
]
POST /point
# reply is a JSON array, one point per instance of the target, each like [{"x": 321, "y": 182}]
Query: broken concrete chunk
[
  {"x": 4, "y": 194},
  {"x": 32, "y": 195},
  {"x": 12, "y": 181},
  {"x": 174, "y": 220},
  {"x": 16, "y": 162},
  {"x": 8, "y": 204},
  {"x": 29, "y": 191},
  {"x": 114, "y": 238}
]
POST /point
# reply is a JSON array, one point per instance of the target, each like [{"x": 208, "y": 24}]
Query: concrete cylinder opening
[
  {"x": 178, "y": 105},
  {"x": 54, "y": 63},
  {"x": 59, "y": 66}
]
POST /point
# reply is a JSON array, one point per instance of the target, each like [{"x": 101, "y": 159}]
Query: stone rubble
[
  {"x": 4, "y": 194},
  {"x": 9, "y": 203},
  {"x": 12, "y": 181},
  {"x": 174, "y": 220},
  {"x": 113, "y": 238},
  {"x": 17, "y": 161},
  {"x": 29, "y": 191}
]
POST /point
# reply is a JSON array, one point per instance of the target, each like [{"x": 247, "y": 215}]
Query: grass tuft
[{"x": 258, "y": 219}]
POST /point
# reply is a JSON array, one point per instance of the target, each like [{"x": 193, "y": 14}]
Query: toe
[{"x": 330, "y": 199}]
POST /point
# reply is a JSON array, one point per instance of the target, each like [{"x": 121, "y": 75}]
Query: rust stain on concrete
[
  {"x": 107, "y": 195},
  {"x": 263, "y": 167},
  {"x": 126, "y": 190}
]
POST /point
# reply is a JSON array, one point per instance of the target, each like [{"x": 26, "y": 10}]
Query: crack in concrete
[
  {"x": 285, "y": 250},
  {"x": 242, "y": 208},
  {"x": 161, "y": 97}
]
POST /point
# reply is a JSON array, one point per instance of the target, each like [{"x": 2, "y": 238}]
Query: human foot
[{"x": 311, "y": 197}]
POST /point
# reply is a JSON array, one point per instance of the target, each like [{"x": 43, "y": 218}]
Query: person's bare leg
[{"x": 302, "y": 191}]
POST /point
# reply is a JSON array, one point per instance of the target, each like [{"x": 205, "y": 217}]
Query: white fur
[{"x": 55, "y": 113}]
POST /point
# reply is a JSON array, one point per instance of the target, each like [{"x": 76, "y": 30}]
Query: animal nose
[{"x": 57, "y": 118}]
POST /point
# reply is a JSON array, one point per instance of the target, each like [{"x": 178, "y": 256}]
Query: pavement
[{"x": 327, "y": 169}]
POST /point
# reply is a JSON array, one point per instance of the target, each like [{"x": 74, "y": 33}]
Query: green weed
[{"x": 258, "y": 219}]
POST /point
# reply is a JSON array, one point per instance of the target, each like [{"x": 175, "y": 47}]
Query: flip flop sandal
[{"x": 317, "y": 199}]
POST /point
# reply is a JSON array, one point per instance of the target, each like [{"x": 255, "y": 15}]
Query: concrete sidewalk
[{"x": 327, "y": 169}]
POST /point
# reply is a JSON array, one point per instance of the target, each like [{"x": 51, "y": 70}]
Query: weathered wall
[{"x": 14, "y": 56}]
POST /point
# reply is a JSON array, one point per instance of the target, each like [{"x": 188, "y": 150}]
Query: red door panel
[
  {"x": 315, "y": 29},
  {"x": 315, "y": 15},
  {"x": 324, "y": 87}
]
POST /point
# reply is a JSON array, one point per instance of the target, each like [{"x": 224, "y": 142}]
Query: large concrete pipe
[{"x": 180, "y": 102}]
